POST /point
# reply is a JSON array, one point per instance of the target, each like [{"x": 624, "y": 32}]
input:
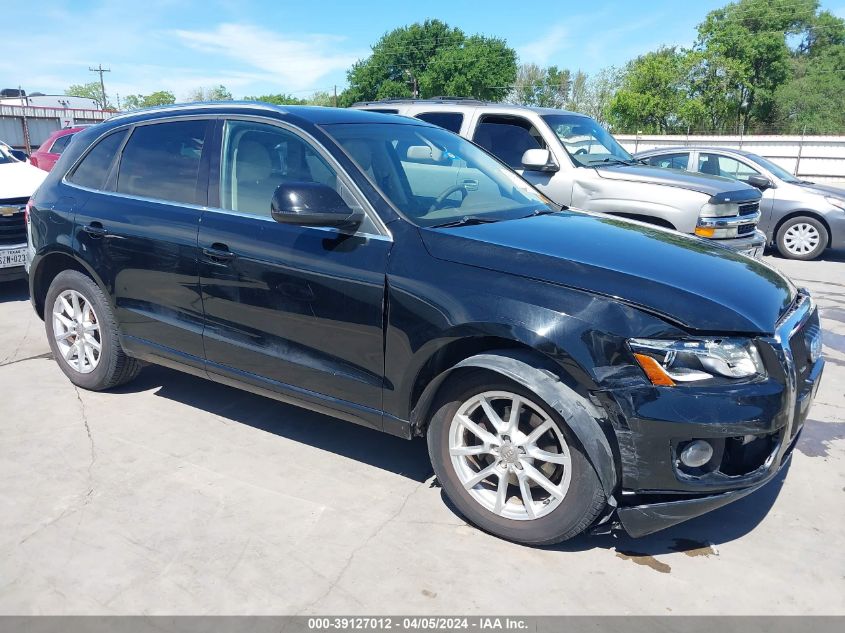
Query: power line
[{"x": 99, "y": 69}]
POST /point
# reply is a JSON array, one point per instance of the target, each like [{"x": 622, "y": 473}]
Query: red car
[{"x": 50, "y": 150}]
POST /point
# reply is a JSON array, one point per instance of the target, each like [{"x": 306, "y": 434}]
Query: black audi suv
[{"x": 570, "y": 371}]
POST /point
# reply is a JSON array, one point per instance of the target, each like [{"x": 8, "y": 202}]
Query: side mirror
[
  {"x": 312, "y": 204},
  {"x": 20, "y": 155},
  {"x": 538, "y": 160},
  {"x": 760, "y": 182}
]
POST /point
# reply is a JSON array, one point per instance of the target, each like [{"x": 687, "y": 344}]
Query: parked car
[
  {"x": 801, "y": 218},
  {"x": 16, "y": 153},
  {"x": 576, "y": 162},
  {"x": 48, "y": 153},
  {"x": 569, "y": 370},
  {"x": 18, "y": 181}
]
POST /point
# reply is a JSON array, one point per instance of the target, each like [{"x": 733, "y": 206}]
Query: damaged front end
[{"x": 686, "y": 449}]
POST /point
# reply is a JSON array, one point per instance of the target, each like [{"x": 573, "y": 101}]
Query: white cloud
[
  {"x": 541, "y": 50},
  {"x": 296, "y": 63}
]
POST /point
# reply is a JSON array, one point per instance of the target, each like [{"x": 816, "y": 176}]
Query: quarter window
[
  {"x": 670, "y": 161},
  {"x": 162, "y": 161},
  {"x": 717, "y": 165},
  {"x": 508, "y": 137},
  {"x": 60, "y": 144},
  {"x": 94, "y": 168},
  {"x": 451, "y": 121}
]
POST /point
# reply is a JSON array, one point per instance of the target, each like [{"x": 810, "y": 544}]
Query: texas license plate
[{"x": 12, "y": 257}]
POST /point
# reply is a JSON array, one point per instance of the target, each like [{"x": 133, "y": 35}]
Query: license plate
[
  {"x": 12, "y": 257},
  {"x": 756, "y": 252}
]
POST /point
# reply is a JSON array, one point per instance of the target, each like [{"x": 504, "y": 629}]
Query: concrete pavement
[{"x": 176, "y": 496}]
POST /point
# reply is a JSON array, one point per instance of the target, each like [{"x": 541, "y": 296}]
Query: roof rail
[{"x": 440, "y": 99}]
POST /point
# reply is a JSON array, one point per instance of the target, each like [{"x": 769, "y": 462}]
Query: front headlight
[
  {"x": 668, "y": 362},
  {"x": 836, "y": 202},
  {"x": 719, "y": 210}
]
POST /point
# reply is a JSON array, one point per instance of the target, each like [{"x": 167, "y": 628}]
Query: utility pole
[
  {"x": 335, "y": 95},
  {"x": 99, "y": 69}
]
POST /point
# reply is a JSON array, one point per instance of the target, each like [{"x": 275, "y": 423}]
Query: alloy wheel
[
  {"x": 509, "y": 455},
  {"x": 76, "y": 330}
]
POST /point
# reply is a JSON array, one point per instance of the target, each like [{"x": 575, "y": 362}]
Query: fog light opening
[{"x": 696, "y": 454}]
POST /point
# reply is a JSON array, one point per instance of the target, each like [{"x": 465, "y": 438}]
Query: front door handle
[
  {"x": 218, "y": 253},
  {"x": 95, "y": 229}
]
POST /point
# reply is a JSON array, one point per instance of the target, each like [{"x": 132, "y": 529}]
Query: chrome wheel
[
  {"x": 801, "y": 238},
  {"x": 509, "y": 455},
  {"x": 76, "y": 330}
]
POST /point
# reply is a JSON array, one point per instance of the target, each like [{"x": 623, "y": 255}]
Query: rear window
[
  {"x": 162, "y": 161},
  {"x": 451, "y": 121},
  {"x": 60, "y": 144},
  {"x": 94, "y": 168}
]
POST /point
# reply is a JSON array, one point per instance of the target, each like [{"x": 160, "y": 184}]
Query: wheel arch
[
  {"x": 48, "y": 266},
  {"x": 815, "y": 215},
  {"x": 536, "y": 372}
]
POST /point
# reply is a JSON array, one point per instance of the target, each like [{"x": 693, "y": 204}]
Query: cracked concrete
[{"x": 175, "y": 496}]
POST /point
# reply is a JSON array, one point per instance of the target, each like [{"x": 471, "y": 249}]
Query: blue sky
[{"x": 266, "y": 46}]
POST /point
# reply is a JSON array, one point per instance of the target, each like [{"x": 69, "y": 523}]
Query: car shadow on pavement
[
  {"x": 17, "y": 290},
  {"x": 394, "y": 454}
]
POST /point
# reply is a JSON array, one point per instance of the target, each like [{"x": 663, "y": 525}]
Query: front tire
[
  {"x": 509, "y": 462},
  {"x": 83, "y": 335},
  {"x": 802, "y": 237}
]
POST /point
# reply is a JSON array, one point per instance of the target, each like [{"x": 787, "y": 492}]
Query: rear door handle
[
  {"x": 218, "y": 253},
  {"x": 95, "y": 229}
]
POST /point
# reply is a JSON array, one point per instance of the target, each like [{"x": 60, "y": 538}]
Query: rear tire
[
  {"x": 83, "y": 334},
  {"x": 802, "y": 237},
  {"x": 557, "y": 509}
]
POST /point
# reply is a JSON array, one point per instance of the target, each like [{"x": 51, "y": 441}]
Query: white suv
[{"x": 576, "y": 162}]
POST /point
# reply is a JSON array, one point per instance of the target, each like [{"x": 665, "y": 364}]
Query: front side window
[
  {"x": 434, "y": 177},
  {"x": 162, "y": 161},
  {"x": 93, "y": 171},
  {"x": 60, "y": 144},
  {"x": 451, "y": 121},
  {"x": 508, "y": 138},
  {"x": 257, "y": 158},
  {"x": 717, "y": 165},
  {"x": 678, "y": 160},
  {"x": 586, "y": 142}
]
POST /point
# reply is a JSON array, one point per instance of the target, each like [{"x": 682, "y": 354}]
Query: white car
[{"x": 18, "y": 181}]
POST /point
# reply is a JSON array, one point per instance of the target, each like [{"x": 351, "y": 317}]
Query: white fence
[{"x": 819, "y": 158}]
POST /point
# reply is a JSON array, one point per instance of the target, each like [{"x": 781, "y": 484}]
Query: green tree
[
  {"x": 542, "y": 87},
  {"x": 429, "y": 59},
  {"x": 321, "y": 98},
  {"x": 277, "y": 99},
  {"x": 654, "y": 94},
  {"x": 160, "y": 97},
  {"x": 215, "y": 93},
  {"x": 90, "y": 90}
]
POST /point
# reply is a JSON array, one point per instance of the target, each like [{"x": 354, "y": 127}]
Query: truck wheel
[
  {"x": 82, "y": 333},
  {"x": 802, "y": 237},
  {"x": 509, "y": 462}
]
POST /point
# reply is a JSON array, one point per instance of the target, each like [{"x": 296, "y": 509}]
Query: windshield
[
  {"x": 434, "y": 177},
  {"x": 587, "y": 142},
  {"x": 776, "y": 170},
  {"x": 6, "y": 156}
]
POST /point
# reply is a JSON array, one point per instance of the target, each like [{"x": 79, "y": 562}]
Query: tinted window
[
  {"x": 670, "y": 161},
  {"x": 433, "y": 176},
  {"x": 257, "y": 158},
  {"x": 723, "y": 166},
  {"x": 383, "y": 110},
  {"x": 94, "y": 168},
  {"x": 451, "y": 121},
  {"x": 508, "y": 138},
  {"x": 60, "y": 144},
  {"x": 162, "y": 161}
]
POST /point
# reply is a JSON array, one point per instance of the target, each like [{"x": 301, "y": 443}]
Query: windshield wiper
[
  {"x": 537, "y": 212},
  {"x": 615, "y": 161},
  {"x": 464, "y": 221}
]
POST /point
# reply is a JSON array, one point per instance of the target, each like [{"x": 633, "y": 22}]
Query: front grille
[
  {"x": 749, "y": 209},
  {"x": 745, "y": 229},
  {"x": 12, "y": 225},
  {"x": 799, "y": 345}
]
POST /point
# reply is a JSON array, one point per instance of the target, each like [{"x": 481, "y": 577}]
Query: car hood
[
  {"x": 823, "y": 190},
  {"x": 690, "y": 281},
  {"x": 702, "y": 183},
  {"x": 19, "y": 180}
]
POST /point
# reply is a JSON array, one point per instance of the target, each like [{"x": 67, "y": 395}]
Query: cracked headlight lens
[{"x": 669, "y": 362}]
